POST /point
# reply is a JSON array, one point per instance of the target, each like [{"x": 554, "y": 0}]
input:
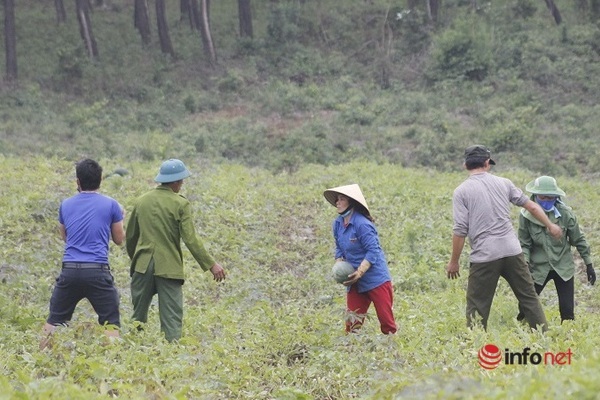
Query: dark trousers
[
  {"x": 482, "y": 283},
  {"x": 170, "y": 300},
  {"x": 566, "y": 295},
  {"x": 75, "y": 284}
]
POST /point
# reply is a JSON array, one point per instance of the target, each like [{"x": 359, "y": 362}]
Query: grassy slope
[
  {"x": 536, "y": 107},
  {"x": 274, "y": 329}
]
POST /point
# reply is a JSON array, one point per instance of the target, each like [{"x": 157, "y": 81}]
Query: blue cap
[{"x": 172, "y": 170}]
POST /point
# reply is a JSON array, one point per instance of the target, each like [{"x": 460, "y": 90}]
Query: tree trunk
[
  {"x": 85, "y": 27},
  {"x": 434, "y": 7},
  {"x": 61, "y": 14},
  {"x": 195, "y": 17},
  {"x": 141, "y": 20},
  {"x": 554, "y": 10},
  {"x": 163, "y": 29},
  {"x": 595, "y": 9},
  {"x": 428, "y": 7},
  {"x": 207, "y": 42},
  {"x": 189, "y": 10},
  {"x": 10, "y": 40},
  {"x": 185, "y": 11},
  {"x": 412, "y": 4},
  {"x": 385, "y": 49},
  {"x": 245, "y": 18}
]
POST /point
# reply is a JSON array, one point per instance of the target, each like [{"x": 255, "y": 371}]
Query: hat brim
[
  {"x": 530, "y": 187},
  {"x": 331, "y": 196},
  {"x": 492, "y": 162},
  {"x": 160, "y": 178},
  {"x": 351, "y": 191}
]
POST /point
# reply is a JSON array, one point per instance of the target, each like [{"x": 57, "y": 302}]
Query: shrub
[{"x": 461, "y": 52}]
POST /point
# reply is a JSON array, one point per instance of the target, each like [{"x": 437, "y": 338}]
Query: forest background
[
  {"x": 312, "y": 94},
  {"x": 317, "y": 82}
]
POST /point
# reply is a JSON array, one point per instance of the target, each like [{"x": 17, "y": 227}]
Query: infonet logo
[{"x": 490, "y": 357}]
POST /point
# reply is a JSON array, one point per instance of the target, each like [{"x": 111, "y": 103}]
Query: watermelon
[{"x": 341, "y": 270}]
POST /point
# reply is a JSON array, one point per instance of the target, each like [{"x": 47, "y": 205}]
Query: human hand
[
  {"x": 555, "y": 231},
  {"x": 353, "y": 278},
  {"x": 356, "y": 275},
  {"x": 452, "y": 270},
  {"x": 218, "y": 272},
  {"x": 591, "y": 274}
]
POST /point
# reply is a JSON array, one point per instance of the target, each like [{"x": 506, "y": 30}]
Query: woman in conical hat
[
  {"x": 353, "y": 193},
  {"x": 550, "y": 259},
  {"x": 357, "y": 242}
]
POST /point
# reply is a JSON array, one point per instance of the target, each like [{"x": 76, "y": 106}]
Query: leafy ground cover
[{"x": 274, "y": 329}]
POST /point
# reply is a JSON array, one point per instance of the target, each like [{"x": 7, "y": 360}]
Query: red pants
[{"x": 358, "y": 305}]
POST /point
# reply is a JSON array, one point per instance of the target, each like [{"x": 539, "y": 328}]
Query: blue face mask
[
  {"x": 547, "y": 205},
  {"x": 347, "y": 212}
]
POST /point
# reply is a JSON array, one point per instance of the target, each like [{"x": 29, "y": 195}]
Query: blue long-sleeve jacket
[{"x": 358, "y": 241}]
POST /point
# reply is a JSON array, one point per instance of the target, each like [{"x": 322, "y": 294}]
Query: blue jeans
[{"x": 95, "y": 284}]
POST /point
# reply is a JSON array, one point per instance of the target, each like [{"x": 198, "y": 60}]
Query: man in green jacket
[
  {"x": 160, "y": 220},
  {"x": 549, "y": 258}
]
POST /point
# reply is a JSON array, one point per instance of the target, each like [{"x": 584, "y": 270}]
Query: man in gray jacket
[{"x": 481, "y": 209}]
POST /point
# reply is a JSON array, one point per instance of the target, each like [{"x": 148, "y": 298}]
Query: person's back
[
  {"x": 481, "y": 210},
  {"x": 88, "y": 221},
  {"x": 160, "y": 220},
  {"x": 481, "y": 206},
  {"x": 158, "y": 212},
  {"x": 87, "y": 218}
]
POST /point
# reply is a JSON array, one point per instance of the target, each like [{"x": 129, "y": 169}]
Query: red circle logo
[{"x": 489, "y": 356}]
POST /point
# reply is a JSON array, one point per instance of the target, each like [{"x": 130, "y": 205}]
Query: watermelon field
[{"x": 274, "y": 329}]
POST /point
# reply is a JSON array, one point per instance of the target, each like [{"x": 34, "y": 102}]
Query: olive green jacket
[
  {"x": 544, "y": 253},
  {"x": 160, "y": 220}
]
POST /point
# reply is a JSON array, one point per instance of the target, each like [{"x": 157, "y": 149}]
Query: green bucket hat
[
  {"x": 545, "y": 185},
  {"x": 172, "y": 170}
]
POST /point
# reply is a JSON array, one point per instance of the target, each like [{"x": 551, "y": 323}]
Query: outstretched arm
[{"x": 537, "y": 211}]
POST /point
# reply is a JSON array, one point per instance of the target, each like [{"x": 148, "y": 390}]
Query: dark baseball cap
[{"x": 478, "y": 151}]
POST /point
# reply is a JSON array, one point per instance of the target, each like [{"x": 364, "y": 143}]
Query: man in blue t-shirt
[{"x": 88, "y": 220}]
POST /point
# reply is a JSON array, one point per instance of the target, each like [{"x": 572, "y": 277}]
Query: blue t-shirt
[
  {"x": 358, "y": 241},
  {"x": 87, "y": 218}
]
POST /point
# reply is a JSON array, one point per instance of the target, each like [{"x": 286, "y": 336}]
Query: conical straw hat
[{"x": 352, "y": 191}]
